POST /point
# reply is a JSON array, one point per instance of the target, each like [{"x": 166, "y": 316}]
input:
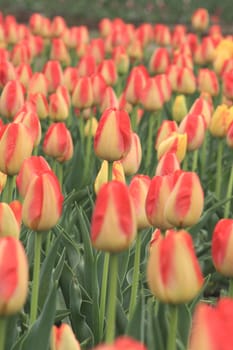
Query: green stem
[
  {"x": 81, "y": 129},
  {"x": 8, "y": 191},
  {"x": 230, "y": 291},
  {"x": 112, "y": 299},
  {"x": 185, "y": 162},
  {"x": 134, "y": 118},
  {"x": 173, "y": 321},
  {"x": 110, "y": 166},
  {"x": 151, "y": 127},
  {"x": 219, "y": 169},
  {"x": 195, "y": 160},
  {"x": 36, "y": 276},
  {"x": 228, "y": 194},
  {"x": 3, "y": 324},
  {"x": 136, "y": 272},
  {"x": 203, "y": 154},
  {"x": 103, "y": 293},
  {"x": 60, "y": 173},
  {"x": 88, "y": 152}
]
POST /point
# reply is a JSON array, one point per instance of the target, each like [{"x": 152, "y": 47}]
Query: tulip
[
  {"x": 165, "y": 130},
  {"x": 59, "y": 52},
  {"x": 207, "y": 82},
  {"x": 186, "y": 81},
  {"x": 137, "y": 77},
  {"x": 32, "y": 166},
  {"x": 12, "y": 98},
  {"x": 162, "y": 35},
  {"x": 58, "y": 142},
  {"x": 86, "y": 66},
  {"x": 173, "y": 273},
  {"x": 38, "y": 84},
  {"x": 21, "y": 145},
  {"x": 53, "y": 72},
  {"x": 41, "y": 105},
  {"x": 105, "y": 26},
  {"x": 102, "y": 176},
  {"x": 7, "y": 72},
  {"x": 14, "y": 275},
  {"x": 131, "y": 162},
  {"x": 91, "y": 127},
  {"x": 164, "y": 86},
  {"x": 122, "y": 342},
  {"x": 121, "y": 59},
  {"x": 138, "y": 189},
  {"x": 21, "y": 53},
  {"x": 97, "y": 49},
  {"x": 201, "y": 106},
  {"x": 99, "y": 86},
  {"x": 70, "y": 78},
  {"x": 109, "y": 99},
  {"x": 3, "y": 180},
  {"x": 228, "y": 84},
  {"x": 107, "y": 69},
  {"x": 159, "y": 61},
  {"x": 63, "y": 338},
  {"x": 32, "y": 122},
  {"x": 178, "y": 36},
  {"x": 200, "y": 19},
  {"x": 175, "y": 143},
  {"x": 43, "y": 192},
  {"x": 82, "y": 96},
  {"x": 113, "y": 224},
  {"x": 113, "y": 136},
  {"x": 185, "y": 202},
  {"x": 151, "y": 95},
  {"x": 167, "y": 164},
  {"x": 179, "y": 108},
  {"x": 222, "y": 247},
  {"x": 221, "y": 120},
  {"x": 194, "y": 126},
  {"x": 58, "y": 25},
  {"x": 58, "y": 107},
  {"x": 9, "y": 225}
]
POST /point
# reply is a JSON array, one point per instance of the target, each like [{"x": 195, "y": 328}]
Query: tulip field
[{"x": 116, "y": 185}]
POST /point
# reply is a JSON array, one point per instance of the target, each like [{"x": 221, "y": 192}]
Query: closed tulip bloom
[
  {"x": 109, "y": 100},
  {"x": 12, "y": 98},
  {"x": 59, "y": 52},
  {"x": 32, "y": 166},
  {"x": 113, "y": 136},
  {"x": 113, "y": 224},
  {"x": 162, "y": 35},
  {"x": 58, "y": 142},
  {"x": 9, "y": 225},
  {"x": 183, "y": 60},
  {"x": 211, "y": 326},
  {"x": 3, "y": 180},
  {"x": 58, "y": 108},
  {"x": 186, "y": 81},
  {"x": 135, "y": 83},
  {"x": 121, "y": 59},
  {"x": 131, "y": 162},
  {"x": 16, "y": 144},
  {"x": 221, "y": 120},
  {"x": 222, "y": 247},
  {"x": 194, "y": 126},
  {"x": 38, "y": 84},
  {"x": 97, "y": 49},
  {"x": 64, "y": 92},
  {"x": 165, "y": 130},
  {"x": 208, "y": 49},
  {"x": 91, "y": 126},
  {"x": 63, "y": 338},
  {"x": 185, "y": 203},
  {"x": 58, "y": 25},
  {"x": 151, "y": 95},
  {"x": 228, "y": 84},
  {"x": 32, "y": 122},
  {"x": 24, "y": 74},
  {"x": 86, "y": 66},
  {"x": 167, "y": 164},
  {"x": 21, "y": 53},
  {"x": 201, "y": 106},
  {"x": 42, "y": 205},
  {"x": 173, "y": 272},
  {"x": 7, "y": 72},
  {"x": 70, "y": 78},
  {"x": 99, "y": 86},
  {"x": 138, "y": 189},
  {"x": 82, "y": 96},
  {"x": 14, "y": 276},
  {"x": 207, "y": 81},
  {"x": 175, "y": 143},
  {"x": 158, "y": 192},
  {"x": 41, "y": 105},
  {"x": 105, "y": 27},
  {"x": 54, "y": 74},
  {"x": 179, "y": 108},
  {"x": 107, "y": 69},
  {"x": 200, "y": 19},
  {"x": 122, "y": 342},
  {"x": 159, "y": 61},
  {"x": 178, "y": 36},
  {"x": 102, "y": 176}
]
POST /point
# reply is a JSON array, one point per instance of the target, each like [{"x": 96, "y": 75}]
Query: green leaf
[
  {"x": 136, "y": 325},
  {"x": 61, "y": 314},
  {"x": 184, "y": 323}
]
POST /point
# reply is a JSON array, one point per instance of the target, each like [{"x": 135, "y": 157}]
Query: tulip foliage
[{"x": 116, "y": 183}]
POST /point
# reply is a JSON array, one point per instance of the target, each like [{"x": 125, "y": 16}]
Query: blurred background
[{"x": 77, "y": 12}]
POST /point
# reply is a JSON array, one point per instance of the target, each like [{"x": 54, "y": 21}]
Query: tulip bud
[
  {"x": 58, "y": 142},
  {"x": 185, "y": 202},
  {"x": 16, "y": 144},
  {"x": 43, "y": 192},
  {"x": 58, "y": 108},
  {"x": 121, "y": 59},
  {"x": 228, "y": 84},
  {"x": 59, "y": 52},
  {"x": 221, "y": 120},
  {"x": 165, "y": 130},
  {"x": 12, "y": 98},
  {"x": 24, "y": 74},
  {"x": 200, "y": 19},
  {"x": 108, "y": 70},
  {"x": 7, "y": 72},
  {"x": 113, "y": 136},
  {"x": 86, "y": 66},
  {"x": 137, "y": 77},
  {"x": 58, "y": 25},
  {"x": 91, "y": 126},
  {"x": 32, "y": 122},
  {"x": 63, "y": 338},
  {"x": 41, "y": 105},
  {"x": 179, "y": 108},
  {"x": 173, "y": 273},
  {"x": 9, "y": 226},
  {"x": 201, "y": 106},
  {"x": 113, "y": 224},
  {"x": 207, "y": 82},
  {"x": 32, "y": 166},
  {"x": 138, "y": 190},
  {"x": 167, "y": 164},
  {"x": 159, "y": 61},
  {"x": 194, "y": 126},
  {"x": 53, "y": 72},
  {"x": 82, "y": 96},
  {"x": 222, "y": 247},
  {"x": 14, "y": 276},
  {"x": 131, "y": 162},
  {"x": 176, "y": 143},
  {"x": 102, "y": 176},
  {"x": 151, "y": 95},
  {"x": 162, "y": 35},
  {"x": 3, "y": 180},
  {"x": 99, "y": 86},
  {"x": 38, "y": 84},
  {"x": 70, "y": 78},
  {"x": 109, "y": 100},
  {"x": 186, "y": 81}
]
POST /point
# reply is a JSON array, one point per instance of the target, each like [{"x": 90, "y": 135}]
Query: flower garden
[{"x": 116, "y": 182}]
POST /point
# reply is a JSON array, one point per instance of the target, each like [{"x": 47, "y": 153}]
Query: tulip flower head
[{"x": 63, "y": 338}]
